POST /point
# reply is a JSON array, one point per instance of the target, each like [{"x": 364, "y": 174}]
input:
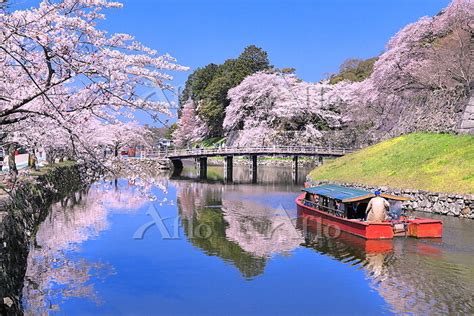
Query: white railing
[{"x": 277, "y": 150}]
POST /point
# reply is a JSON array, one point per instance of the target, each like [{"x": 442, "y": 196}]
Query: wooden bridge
[{"x": 202, "y": 154}]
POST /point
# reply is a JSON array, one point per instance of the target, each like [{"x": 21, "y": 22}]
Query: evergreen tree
[{"x": 208, "y": 86}]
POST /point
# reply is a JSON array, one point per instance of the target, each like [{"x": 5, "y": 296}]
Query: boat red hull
[
  {"x": 425, "y": 228},
  {"x": 419, "y": 228},
  {"x": 369, "y": 246}
]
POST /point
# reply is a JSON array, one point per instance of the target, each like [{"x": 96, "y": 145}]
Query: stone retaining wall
[
  {"x": 423, "y": 201},
  {"x": 467, "y": 123},
  {"x": 19, "y": 219}
]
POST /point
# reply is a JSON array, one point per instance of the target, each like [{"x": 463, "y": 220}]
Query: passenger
[
  {"x": 339, "y": 209},
  {"x": 377, "y": 209}
]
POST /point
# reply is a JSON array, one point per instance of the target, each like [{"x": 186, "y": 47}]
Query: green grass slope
[{"x": 433, "y": 162}]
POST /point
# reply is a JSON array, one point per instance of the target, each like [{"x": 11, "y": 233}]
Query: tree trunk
[
  {"x": 32, "y": 160},
  {"x": 50, "y": 158},
  {"x": 11, "y": 161},
  {"x": 74, "y": 199}
]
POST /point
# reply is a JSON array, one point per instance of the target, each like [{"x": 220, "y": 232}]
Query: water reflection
[
  {"x": 260, "y": 230},
  {"x": 242, "y": 175},
  {"x": 232, "y": 226},
  {"x": 53, "y": 274},
  {"x": 414, "y": 276},
  {"x": 249, "y": 227}
]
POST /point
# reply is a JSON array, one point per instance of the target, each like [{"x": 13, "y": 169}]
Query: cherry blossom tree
[
  {"x": 54, "y": 61},
  {"x": 59, "y": 72},
  {"x": 33, "y": 134},
  {"x": 119, "y": 135},
  {"x": 427, "y": 68},
  {"x": 63, "y": 79},
  {"x": 270, "y": 107},
  {"x": 432, "y": 53},
  {"x": 191, "y": 128}
]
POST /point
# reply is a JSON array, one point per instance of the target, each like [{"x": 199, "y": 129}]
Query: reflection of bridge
[{"x": 201, "y": 155}]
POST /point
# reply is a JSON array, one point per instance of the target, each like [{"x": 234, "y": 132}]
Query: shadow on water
[{"x": 247, "y": 227}]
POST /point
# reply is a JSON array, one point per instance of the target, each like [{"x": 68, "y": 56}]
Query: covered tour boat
[{"x": 345, "y": 207}]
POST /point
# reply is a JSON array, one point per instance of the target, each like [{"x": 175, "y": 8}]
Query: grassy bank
[
  {"x": 210, "y": 142},
  {"x": 433, "y": 162}
]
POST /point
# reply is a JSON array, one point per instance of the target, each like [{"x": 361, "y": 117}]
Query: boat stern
[
  {"x": 425, "y": 228},
  {"x": 379, "y": 231}
]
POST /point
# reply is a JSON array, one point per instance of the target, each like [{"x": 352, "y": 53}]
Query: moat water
[{"x": 210, "y": 248}]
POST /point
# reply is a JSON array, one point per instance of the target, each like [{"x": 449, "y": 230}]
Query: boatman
[{"x": 377, "y": 209}]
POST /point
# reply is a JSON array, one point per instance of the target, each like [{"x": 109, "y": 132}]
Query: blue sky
[{"x": 314, "y": 37}]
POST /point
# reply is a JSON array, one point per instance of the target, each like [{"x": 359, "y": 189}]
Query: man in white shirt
[{"x": 377, "y": 209}]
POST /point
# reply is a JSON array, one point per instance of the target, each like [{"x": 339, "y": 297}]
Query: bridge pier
[
  {"x": 200, "y": 155},
  {"x": 177, "y": 167},
  {"x": 294, "y": 172},
  {"x": 203, "y": 168},
  {"x": 228, "y": 169},
  {"x": 254, "y": 167}
]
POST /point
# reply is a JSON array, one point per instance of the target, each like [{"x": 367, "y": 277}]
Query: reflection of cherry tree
[
  {"x": 53, "y": 274},
  {"x": 122, "y": 199},
  {"x": 259, "y": 230},
  {"x": 57, "y": 278},
  {"x": 142, "y": 176},
  {"x": 199, "y": 206},
  {"x": 245, "y": 234},
  {"x": 192, "y": 196}
]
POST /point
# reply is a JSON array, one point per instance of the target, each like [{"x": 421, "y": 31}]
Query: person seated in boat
[{"x": 377, "y": 209}]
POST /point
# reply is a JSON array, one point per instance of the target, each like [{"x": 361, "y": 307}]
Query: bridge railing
[{"x": 275, "y": 150}]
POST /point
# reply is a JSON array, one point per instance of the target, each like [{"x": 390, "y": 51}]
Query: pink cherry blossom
[
  {"x": 191, "y": 128},
  {"x": 61, "y": 76}
]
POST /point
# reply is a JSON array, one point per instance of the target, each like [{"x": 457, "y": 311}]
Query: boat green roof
[
  {"x": 347, "y": 194},
  {"x": 338, "y": 192}
]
